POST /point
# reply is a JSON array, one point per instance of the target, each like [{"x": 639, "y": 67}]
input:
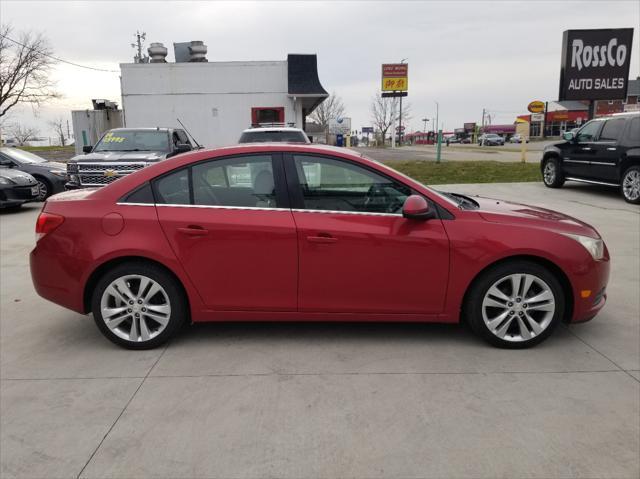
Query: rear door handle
[
  {"x": 323, "y": 238},
  {"x": 193, "y": 230},
  {"x": 611, "y": 148},
  {"x": 586, "y": 148}
]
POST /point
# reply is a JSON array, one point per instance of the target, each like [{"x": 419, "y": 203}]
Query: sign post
[
  {"x": 395, "y": 83},
  {"x": 595, "y": 65}
]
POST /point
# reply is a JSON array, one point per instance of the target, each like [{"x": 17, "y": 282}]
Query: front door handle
[
  {"x": 193, "y": 230},
  {"x": 586, "y": 148},
  {"x": 611, "y": 148},
  {"x": 323, "y": 238}
]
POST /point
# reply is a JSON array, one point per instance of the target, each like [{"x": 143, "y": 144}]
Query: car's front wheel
[
  {"x": 552, "y": 175},
  {"x": 515, "y": 305},
  {"x": 138, "y": 305},
  {"x": 630, "y": 185}
]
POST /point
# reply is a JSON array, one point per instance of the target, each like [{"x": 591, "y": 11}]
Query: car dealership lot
[{"x": 325, "y": 400}]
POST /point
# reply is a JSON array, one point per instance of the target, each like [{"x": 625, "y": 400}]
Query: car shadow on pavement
[{"x": 330, "y": 332}]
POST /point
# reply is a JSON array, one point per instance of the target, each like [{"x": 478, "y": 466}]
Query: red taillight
[{"x": 46, "y": 223}]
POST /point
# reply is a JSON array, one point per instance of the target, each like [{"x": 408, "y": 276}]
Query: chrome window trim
[
  {"x": 258, "y": 208},
  {"x": 124, "y": 203},
  {"x": 337, "y": 212},
  {"x": 222, "y": 207}
]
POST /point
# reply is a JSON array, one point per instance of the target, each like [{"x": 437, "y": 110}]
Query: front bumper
[
  {"x": 590, "y": 291},
  {"x": 14, "y": 195}
]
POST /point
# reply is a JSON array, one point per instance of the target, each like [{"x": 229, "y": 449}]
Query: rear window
[{"x": 273, "y": 136}]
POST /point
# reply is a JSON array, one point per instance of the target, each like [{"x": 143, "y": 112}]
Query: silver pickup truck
[{"x": 122, "y": 151}]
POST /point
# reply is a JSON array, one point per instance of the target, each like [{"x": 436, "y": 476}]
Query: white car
[
  {"x": 517, "y": 138},
  {"x": 274, "y": 134}
]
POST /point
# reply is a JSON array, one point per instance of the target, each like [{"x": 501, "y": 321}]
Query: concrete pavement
[{"x": 325, "y": 400}]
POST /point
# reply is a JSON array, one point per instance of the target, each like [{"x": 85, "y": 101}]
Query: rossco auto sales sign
[{"x": 595, "y": 64}]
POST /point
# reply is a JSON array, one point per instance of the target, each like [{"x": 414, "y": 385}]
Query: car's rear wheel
[
  {"x": 138, "y": 305},
  {"x": 44, "y": 189},
  {"x": 552, "y": 173},
  {"x": 515, "y": 305},
  {"x": 630, "y": 186}
]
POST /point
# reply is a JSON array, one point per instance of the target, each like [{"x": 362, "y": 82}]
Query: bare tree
[
  {"x": 25, "y": 66},
  {"x": 383, "y": 112},
  {"x": 58, "y": 126},
  {"x": 22, "y": 134},
  {"x": 330, "y": 109}
]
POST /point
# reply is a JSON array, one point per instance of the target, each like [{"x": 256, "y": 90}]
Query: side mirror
[
  {"x": 181, "y": 148},
  {"x": 87, "y": 148},
  {"x": 568, "y": 136},
  {"x": 6, "y": 163},
  {"x": 416, "y": 208}
]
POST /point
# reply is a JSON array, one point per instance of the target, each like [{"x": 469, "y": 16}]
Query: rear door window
[{"x": 613, "y": 130}]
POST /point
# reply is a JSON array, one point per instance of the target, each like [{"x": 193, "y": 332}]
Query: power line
[{"x": 59, "y": 59}]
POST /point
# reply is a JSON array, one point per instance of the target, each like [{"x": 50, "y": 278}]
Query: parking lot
[
  {"x": 457, "y": 152},
  {"x": 325, "y": 400}
]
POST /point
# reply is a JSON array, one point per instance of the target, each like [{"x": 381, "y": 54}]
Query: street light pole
[
  {"x": 425, "y": 124},
  {"x": 438, "y": 133},
  {"x": 400, "y": 122}
]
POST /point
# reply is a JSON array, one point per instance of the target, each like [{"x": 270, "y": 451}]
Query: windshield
[
  {"x": 22, "y": 156},
  {"x": 273, "y": 136},
  {"x": 134, "y": 140}
]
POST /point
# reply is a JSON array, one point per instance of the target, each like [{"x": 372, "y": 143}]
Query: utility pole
[
  {"x": 68, "y": 133},
  {"x": 439, "y": 133},
  {"x": 482, "y": 129},
  {"x": 400, "y": 128},
  {"x": 425, "y": 124}
]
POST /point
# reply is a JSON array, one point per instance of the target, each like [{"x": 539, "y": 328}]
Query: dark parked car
[
  {"x": 16, "y": 187},
  {"x": 122, "y": 151},
  {"x": 50, "y": 175},
  {"x": 605, "y": 151}
]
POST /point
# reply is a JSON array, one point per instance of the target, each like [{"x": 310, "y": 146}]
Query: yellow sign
[
  {"x": 395, "y": 77},
  {"x": 536, "y": 106},
  {"x": 111, "y": 138}
]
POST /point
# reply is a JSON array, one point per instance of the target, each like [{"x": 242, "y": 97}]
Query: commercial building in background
[
  {"x": 90, "y": 125},
  {"x": 566, "y": 115},
  {"x": 216, "y": 101}
]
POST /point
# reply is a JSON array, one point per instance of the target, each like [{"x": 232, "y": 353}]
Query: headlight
[
  {"x": 73, "y": 179},
  {"x": 72, "y": 167},
  {"x": 60, "y": 173},
  {"x": 5, "y": 181},
  {"x": 594, "y": 246}
]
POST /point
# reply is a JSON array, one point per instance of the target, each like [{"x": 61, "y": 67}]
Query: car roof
[
  {"x": 157, "y": 128},
  {"x": 272, "y": 128}
]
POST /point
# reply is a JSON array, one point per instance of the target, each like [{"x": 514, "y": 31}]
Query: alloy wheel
[
  {"x": 518, "y": 307},
  {"x": 43, "y": 191},
  {"x": 135, "y": 308},
  {"x": 549, "y": 172},
  {"x": 631, "y": 185}
]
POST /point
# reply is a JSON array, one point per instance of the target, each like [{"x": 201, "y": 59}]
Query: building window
[{"x": 267, "y": 115}]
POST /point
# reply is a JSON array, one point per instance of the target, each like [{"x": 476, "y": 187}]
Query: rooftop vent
[
  {"x": 157, "y": 52},
  {"x": 194, "y": 51}
]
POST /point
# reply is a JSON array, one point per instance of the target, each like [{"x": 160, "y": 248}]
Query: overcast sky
[{"x": 466, "y": 55}]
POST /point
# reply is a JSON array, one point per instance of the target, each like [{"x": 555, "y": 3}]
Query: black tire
[
  {"x": 171, "y": 291},
  {"x": 473, "y": 307},
  {"x": 552, "y": 174},
  {"x": 629, "y": 186},
  {"x": 44, "y": 188}
]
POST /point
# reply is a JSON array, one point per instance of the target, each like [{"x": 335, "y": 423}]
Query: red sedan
[{"x": 307, "y": 233}]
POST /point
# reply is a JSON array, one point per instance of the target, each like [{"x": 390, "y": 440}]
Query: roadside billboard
[
  {"x": 340, "y": 126},
  {"x": 395, "y": 77},
  {"x": 595, "y": 64}
]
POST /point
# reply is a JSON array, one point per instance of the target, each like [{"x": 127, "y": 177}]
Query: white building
[{"x": 217, "y": 100}]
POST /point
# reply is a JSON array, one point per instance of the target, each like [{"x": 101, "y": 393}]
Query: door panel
[
  {"x": 229, "y": 224},
  {"x": 371, "y": 263},
  {"x": 243, "y": 260},
  {"x": 582, "y": 151}
]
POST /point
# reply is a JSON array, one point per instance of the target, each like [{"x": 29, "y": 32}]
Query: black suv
[
  {"x": 605, "y": 151},
  {"x": 122, "y": 151}
]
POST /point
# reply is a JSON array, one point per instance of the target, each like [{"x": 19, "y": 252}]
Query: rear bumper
[
  {"x": 590, "y": 291},
  {"x": 56, "y": 277}
]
